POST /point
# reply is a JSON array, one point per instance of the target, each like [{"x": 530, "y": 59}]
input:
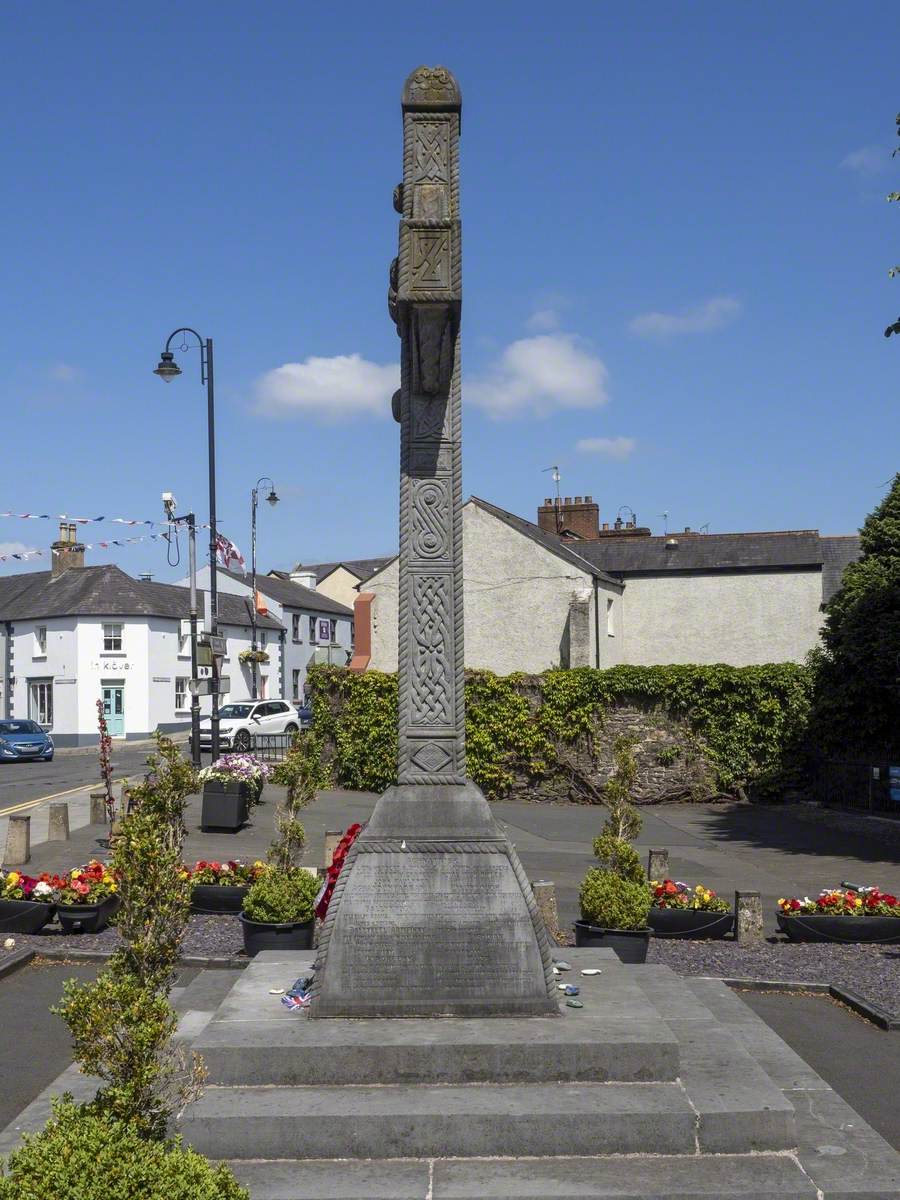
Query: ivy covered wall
[{"x": 700, "y": 730}]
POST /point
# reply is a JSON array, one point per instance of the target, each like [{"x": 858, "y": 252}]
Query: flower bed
[
  {"x": 239, "y": 768},
  {"x": 679, "y": 911},
  {"x": 26, "y": 902},
  {"x": 863, "y": 914},
  {"x": 221, "y": 887},
  {"x": 87, "y": 897},
  {"x": 671, "y": 893}
]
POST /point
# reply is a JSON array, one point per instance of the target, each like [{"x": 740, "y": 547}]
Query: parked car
[
  {"x": 20, "y": 740},
  {"x": 240, "y": 722}
]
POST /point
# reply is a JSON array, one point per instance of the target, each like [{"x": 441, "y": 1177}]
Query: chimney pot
[
  {"x": 568, "y": 500},
  {"x": 589, "y": 499},
  {"x": 577, "y": 499},
  {"x": 606, "y": 524},
  {"x": 548, "y": 501},
  {"x": 687, "y": 529}
]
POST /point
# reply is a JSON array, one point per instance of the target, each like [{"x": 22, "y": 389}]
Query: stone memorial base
[{"x": 432, "y": 915}]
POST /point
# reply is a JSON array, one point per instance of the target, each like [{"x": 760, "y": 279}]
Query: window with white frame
[
  {"x": 295, "y": 684},
  {"x": 112, "y": 638},
  {"x": 295, "y": 628},
  {"x": 181, "y": 693},
  {"x": 40, "y": 641},
  {"x": 40, "y": 701}
]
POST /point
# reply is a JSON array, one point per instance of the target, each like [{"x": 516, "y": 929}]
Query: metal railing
[{"x": 272, "y": 747}]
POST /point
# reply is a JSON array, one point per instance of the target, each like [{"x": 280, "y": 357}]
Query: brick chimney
[
  {"x": 68, "y": 552},
  {"x": 580, "y": 516}
]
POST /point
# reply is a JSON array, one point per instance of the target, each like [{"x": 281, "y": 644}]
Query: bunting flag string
[
  {"x": 20, "y": 516},
  {"x": 147, "y": 537}
]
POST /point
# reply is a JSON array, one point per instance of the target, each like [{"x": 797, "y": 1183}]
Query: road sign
[{"x": 204, "y": 687}]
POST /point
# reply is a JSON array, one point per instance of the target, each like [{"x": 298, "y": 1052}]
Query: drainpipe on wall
[
  {"x": 282, "y": 637},
  {"x": 7, "y": 669},
  {"x": 596, "y": 623}
]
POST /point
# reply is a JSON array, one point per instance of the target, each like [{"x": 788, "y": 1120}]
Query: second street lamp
[
  {"x": 167, "y": 369},
  {"x": 254, "y": 503}
]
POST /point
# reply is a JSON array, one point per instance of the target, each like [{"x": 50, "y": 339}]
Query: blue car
[{"x": 22, "y": 740}]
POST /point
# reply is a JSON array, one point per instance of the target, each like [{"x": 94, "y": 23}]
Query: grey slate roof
[
  {"x": 106, "y": 591},
  {"x": 705, "y": 552},
  {"x": 837, "y": 553},
  {"x": 549, "y": 541},
  {"x": 362, "y": 568},
  {"x": 294, "y": 595}
]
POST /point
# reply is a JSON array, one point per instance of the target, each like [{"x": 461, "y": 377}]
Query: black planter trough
[
  {"x": 689, "y": 923},
  {"x": 629, "y": 944},
  {"x": 86, "y": 918},
  {"x": 217, "y": 898},
  {"x": 225, "y": 805},
  {"x": 261, "y": 935},
  {"x": 24, "y": 916},
  {"x": 822, "y": 927}
]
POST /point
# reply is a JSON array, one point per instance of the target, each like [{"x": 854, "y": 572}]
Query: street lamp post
[
  {"x": 167, "y": 369},
  {"x": 254, "y": 501}
]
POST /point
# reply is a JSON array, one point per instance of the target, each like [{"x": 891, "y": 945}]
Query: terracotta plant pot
[
  {"x": 86, "y": 918},
  {"x": 823, "y": 927},
  {"x": 629, "y": 944},
  {"x": 689, "y": 923},
  {"x": 24, "y": 916}
]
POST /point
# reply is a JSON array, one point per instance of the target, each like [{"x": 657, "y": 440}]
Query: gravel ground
[
  {"x": 205, "y": 937},
  {"x": 873, "y": 972}
]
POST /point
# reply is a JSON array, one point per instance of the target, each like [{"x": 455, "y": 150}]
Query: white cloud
[
  {"x": 617, "y": 447},
  {"x": 328, "y": 389},
  {"x": 867, "y": 160},
  {"x": 544, "y": 320},
  {"x": 64, "y": 373},
  {"x": 712, "y": 314},
  {"x": 539, "y": 375},
  {"x": 14, "y": 548}
]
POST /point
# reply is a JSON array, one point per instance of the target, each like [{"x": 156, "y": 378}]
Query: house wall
[
  {"x": 517, "y": 599},
  {"x": 341, "y": 585},
  {"x": 297, "y": 654},
  {"x": 739, "y": 618}
]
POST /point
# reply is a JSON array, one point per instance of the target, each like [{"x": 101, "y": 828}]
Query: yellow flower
[
  {"x": 13, "y": 877},
  {"x": 113, "y": 887},
  {"x": 75, "y": 874},
  {"x": 858, "y": 902},
  {"x": 781, "y": 901}
]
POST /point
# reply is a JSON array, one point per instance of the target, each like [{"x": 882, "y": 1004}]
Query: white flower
[
  {"x": 42, "y": 889},
  {"x": 9, "y": 944}
]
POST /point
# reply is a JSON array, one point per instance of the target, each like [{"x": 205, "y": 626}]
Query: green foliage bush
[
  {"x": 278, "y": 897},
  {"x": 857, "y": 698},
  {"x": 745, "y": 720},
  {"x": 82, "y": 1154},
  {"x": 303, "y": 772},
  {"x": 611, "y": 902}
]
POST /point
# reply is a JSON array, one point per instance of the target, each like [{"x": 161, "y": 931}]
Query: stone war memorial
[{"x": 436, "y": 1060}]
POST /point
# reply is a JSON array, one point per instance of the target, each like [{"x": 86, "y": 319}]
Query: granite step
[
  {"x": 478, "y": 1119},
  {"x": 254, "y": 1039},
  {"x": 721, "y": 1177}
]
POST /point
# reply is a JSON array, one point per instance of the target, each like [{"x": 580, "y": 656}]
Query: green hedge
[{"x": 745, "y": 720}]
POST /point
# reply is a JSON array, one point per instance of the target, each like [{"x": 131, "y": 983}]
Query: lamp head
[
  {"x": 167, "y": 368},
  {"x": 272, "y": 498}
]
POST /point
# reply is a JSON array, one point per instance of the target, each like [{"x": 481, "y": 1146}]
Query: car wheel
[
  {"x": 242, "y": 741},
  {"x": 292, "y": 729}
]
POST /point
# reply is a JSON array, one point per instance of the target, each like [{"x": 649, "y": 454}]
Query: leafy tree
[{"x": 857, "y": 696}]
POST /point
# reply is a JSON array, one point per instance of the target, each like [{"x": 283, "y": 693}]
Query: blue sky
[{"x": 676, "y": 247}]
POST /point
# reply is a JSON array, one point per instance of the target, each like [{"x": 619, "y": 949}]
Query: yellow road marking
[{"x": 5, "y": 812}]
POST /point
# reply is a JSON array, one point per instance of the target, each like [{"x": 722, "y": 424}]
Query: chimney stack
[
  {"x": 580, "y": 517},
  {"x": 67, "y": 553}
]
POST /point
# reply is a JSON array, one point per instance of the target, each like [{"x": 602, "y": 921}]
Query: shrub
[
  {"x": 303, "y": 772},
  {"x": 282, "y": 896},
  {"x": 82, "y": 1154},
  {"x": 619, "y": 857},
  {"x": 611, "y": 902}
]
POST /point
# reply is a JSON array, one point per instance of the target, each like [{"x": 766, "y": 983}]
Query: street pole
[
  {"x": 254, "y": 498},
  {"x": 195, "y": 699},
  {"x": 213, "y": 545}
]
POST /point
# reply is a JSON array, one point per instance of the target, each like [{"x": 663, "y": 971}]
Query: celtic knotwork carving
[
  {"x": 431, "y": 259},
  {"x": 432, "y": 667},
  {"x": 430, "y": 519},
  {"x": 428, "y": 417},
  {"x": 431, "y": 152},
  {"x": 431, "y": 85},
  {"x": 432, "y": 348}
]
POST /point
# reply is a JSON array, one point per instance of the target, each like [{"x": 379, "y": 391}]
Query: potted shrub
[
  {"x": 863, "y": 914},
  {"x": 615, "y": 899},
  {"x": 278, "y": 912},
  {"x": 26, "y": 902},
  {"x": 87, "y": 898},
  {"x": 232, "y": 787},
  {"x": 221, "y": 887},
  {"x": 678, "y": 911}
]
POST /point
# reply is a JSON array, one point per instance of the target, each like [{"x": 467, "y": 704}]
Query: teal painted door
[{"x": 114, "y": 709}]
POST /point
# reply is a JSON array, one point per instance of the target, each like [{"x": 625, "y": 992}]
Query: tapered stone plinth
[{"x": 436, "y": 922}]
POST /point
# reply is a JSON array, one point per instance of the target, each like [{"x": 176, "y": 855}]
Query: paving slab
[
  {"x": 748, "y": 1177},
  {"x": 316, "y": 1180},
  {"x": 845, "y": 1158},
  {"x": 423, "y": 1122}
]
